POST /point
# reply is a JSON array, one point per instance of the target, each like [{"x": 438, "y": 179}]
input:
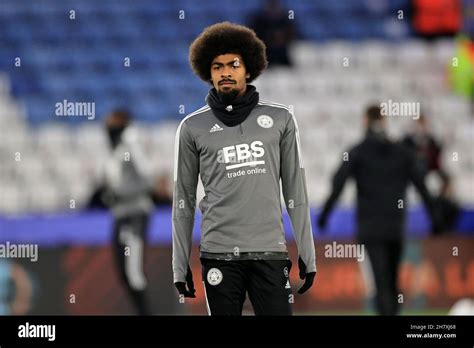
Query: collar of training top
[{"x": 235, "y": 113}]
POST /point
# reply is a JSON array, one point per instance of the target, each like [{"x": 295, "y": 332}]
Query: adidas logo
[{"x": 216, "y": 128}]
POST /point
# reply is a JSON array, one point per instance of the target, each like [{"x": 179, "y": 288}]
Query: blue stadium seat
[{"x": 84, "y": 58}]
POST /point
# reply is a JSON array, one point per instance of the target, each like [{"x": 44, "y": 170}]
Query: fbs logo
[{"x": 242, "y": 154}]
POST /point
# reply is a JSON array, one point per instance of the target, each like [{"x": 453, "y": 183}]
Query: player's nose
[{"x": 226, "y": 72}]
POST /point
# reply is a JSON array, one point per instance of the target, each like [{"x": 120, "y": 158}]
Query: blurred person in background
[
  {"x": 382, "y": 170},
  {"x": 434, "y": 19},
  {"x": 127, "y": 193},
  {"x": 274, "y": 27},
  {"x": 16, "y": 289},
  {"x": 461, "y": 74},
  {"x": 428, "y": 152},
  {"x": 426, "y": 148},
  {"x": 461, "y": 70},
  {"x": 447, "y": 208}
]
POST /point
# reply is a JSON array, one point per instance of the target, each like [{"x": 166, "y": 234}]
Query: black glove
[
  {"x": 308, "y": 277},
  {"x": 190, "y": 291}
]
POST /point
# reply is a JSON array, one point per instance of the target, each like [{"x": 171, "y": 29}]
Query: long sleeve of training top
[
  {"x": 295, "y": 193},
  {"x": 186, "y": 173},
  {"x": 240, "y": 168}
]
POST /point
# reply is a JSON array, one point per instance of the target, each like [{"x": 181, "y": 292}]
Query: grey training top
[{"x": 240, "y": 168}]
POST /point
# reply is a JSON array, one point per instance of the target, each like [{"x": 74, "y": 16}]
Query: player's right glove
[
  {"x": 308, "y": 277},
  {"x": 181, "y": 286}
]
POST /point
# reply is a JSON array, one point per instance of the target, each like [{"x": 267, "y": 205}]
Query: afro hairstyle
[{"x": 223, "y": 38}]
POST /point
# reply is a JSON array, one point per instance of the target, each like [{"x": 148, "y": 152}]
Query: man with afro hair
[{"x": 241, "y": 147}]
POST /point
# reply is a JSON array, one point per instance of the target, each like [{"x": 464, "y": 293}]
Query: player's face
[{"x": 228, "y": 74}]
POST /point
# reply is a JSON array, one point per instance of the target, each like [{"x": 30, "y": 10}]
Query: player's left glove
[
  {"x": 181, "y": 286},
  {"x": 308, "y": 277}
]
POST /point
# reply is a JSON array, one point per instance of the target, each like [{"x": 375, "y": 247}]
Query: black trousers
[
  {"x": 129, "y": 246},
  {"x": 385, "y": 260},
  {"x": 226, "y": 284}
]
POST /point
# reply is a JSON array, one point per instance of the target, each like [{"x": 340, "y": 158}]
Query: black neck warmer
[{"x": 235, "y": 112}]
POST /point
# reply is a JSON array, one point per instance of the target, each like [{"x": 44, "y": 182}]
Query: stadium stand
[{"x": 82, "y": 59}]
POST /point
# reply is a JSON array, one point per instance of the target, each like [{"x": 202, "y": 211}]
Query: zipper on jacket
[{"x": 241, "y": 130}]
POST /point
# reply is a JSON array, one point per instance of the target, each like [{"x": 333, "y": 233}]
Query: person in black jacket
[{"x": 382, "y": 170}]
